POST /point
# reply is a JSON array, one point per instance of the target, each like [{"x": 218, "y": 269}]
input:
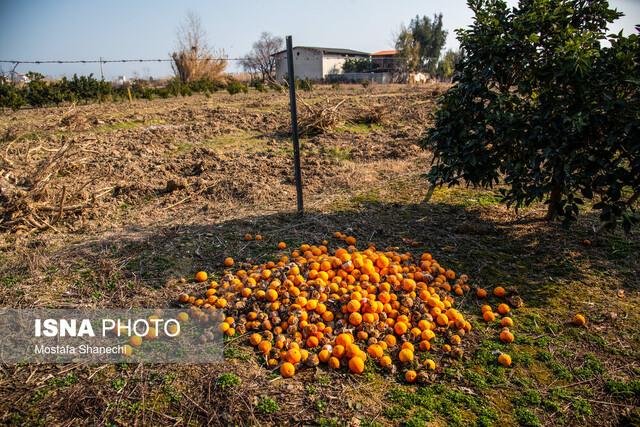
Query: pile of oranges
[{"x": 345, "y": 308}]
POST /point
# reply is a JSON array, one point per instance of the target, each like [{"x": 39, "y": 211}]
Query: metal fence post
[{"x": 294, "y": 124}]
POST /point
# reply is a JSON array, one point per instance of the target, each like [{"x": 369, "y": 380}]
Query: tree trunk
[{"x": 554, "y": 200}]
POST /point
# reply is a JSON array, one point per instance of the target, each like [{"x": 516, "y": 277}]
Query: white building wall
[{"x": 332, "y": 64}]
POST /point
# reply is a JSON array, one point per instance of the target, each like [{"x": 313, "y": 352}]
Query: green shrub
[
  {"x": 304, "y": 84},
  {"x": 10, "y": 96},
  {"x": 259, "y": 85},
  {"x": 237, "y": 87}
]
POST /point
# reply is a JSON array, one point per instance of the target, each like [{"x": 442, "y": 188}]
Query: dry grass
[{"x": 192, "y": 66}]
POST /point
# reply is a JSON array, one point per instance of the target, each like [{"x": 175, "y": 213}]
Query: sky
[{"x": 119, "y": 29}]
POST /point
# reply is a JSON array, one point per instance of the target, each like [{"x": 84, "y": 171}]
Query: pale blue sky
[{"x": 117, "y": 29}]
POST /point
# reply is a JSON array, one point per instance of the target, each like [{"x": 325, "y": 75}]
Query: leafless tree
[
  {"x": 261, "y": 60},
  {"x": 194, "y": 59}
]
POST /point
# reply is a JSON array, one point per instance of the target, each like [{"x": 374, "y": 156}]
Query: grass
[
  {"x": 466, "y": 198},
  {"x": 238, "y": 141},
  {"x": 336, "y": 153},
  {"x": 359, "y": 128},
  {"x": 127, "y": 124}
]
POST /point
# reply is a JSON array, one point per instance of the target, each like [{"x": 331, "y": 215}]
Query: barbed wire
[{"x": 108, "y": 61}]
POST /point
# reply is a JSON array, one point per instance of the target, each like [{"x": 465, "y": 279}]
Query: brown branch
[{"x": 61, "y": 206}]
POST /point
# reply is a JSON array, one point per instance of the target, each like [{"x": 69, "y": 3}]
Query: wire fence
[
  {"x": 15, "y": 63},
  {"x": 107, "y": 61}
]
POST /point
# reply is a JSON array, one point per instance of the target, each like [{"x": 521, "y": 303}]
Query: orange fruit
[
  {"x": 264, "y": 346},
  {"x": 294, "y": 355},
  {"x": 356, "y": 365},
  {"x": 390, "y": 340},
  {"x": 375, "y": 351},
  {"x": 506, "y": 322},
  {"x": 334, "y": 363},
  {"x": 271, "y": 295},
  {"x": 400, "y": 328},
  {"x": 506, "y": 336},
  {"x": 407, "y": 345},
  {"x": 579, "y": 320},
  {"x": 353, "y": 306},
  {"x": 504, "y": 359},
  {"x": 255, "y": 339},
  {"x": 442, "y": 320},
  {"x": 355, "y": 318},
  {"x": 345, "y": 302},
  {"x": 344, "y": 340},
  {"x": 405, "y": 356},
  {"x": 324, "y": 355},
  {"x": 352, "y": 350},
  {"x": 503, "y": 309},
  {"x": 385, "y": 361},
  {"x": 338, "y": 351},
  {"x": 489, "y": 316},
  {"x": 410, "y": 376},
  {"x": 248, "y": 237},
  {"x": 499, "y": 292},
  {"x": 287, "y": 370},
  {"x": 430, "y": 364},
  {"x": 201, "y": 276}
]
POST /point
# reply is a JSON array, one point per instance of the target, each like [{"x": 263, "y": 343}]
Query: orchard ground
[{"x": 161, "y": 189}]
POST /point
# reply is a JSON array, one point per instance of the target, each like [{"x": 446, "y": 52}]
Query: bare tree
[
  {"x": 261, "y": 60},
  {"x": 194, "y": 59}
]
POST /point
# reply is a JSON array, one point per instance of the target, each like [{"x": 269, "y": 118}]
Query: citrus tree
[{"x": 545, "y": 103}]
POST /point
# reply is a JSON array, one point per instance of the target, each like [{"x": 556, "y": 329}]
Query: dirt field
[{"x": 110, "y": 205}]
